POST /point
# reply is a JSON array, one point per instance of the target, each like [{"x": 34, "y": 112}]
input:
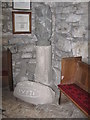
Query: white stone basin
[{"x": 33, "y": 92}]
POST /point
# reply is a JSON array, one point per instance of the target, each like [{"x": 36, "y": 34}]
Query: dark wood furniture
[
  {"x": 7, "y": 78},
  {"x": 68, "y": 69},
  {"x": 75, "y": 82}
]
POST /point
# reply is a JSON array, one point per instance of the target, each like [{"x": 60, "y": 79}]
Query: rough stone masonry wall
[
  {"x": 22, "y": 46},
  {"x": 69, "y": 38}
]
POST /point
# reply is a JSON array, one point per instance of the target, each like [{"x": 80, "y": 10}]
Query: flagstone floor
[{"x": 15, "y": 108}]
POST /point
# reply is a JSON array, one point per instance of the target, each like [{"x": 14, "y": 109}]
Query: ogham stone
[{"x": 43, "y": 71}]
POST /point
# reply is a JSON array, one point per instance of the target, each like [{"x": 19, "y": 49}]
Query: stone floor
[{"x": 14, "y": 108}]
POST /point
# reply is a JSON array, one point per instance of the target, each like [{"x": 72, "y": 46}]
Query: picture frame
[
  {"x": 21, "y": 4},
  {"x": 21, "y": 22}
]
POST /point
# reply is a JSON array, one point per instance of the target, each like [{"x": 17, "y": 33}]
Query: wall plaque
[
  {"x": 21, "y": 22},
  {"x": 21, "y": 4}
]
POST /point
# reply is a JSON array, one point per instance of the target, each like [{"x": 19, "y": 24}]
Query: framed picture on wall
[
  {"x": 21, "y": 4},
  {"x": 21, "y": 22}
]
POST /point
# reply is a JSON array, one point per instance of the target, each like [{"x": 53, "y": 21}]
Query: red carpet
[{"x": 81, "y": 97}]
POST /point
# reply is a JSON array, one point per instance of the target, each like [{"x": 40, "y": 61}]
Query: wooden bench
[{"x": 75, "y": 82}]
